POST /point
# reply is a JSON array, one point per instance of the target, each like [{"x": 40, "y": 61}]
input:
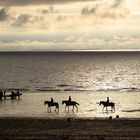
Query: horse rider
[
  {"x": 69, "y": 99},
  {"x": 51, "y": 100},
  {"x": 1, "y": 94},
  {"x": 107, "y": 100}
]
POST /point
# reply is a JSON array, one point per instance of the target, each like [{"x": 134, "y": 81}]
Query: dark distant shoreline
[{"x": 75, "y": 51}]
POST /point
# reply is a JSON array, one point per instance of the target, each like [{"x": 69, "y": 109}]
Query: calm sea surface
[{"x": 88, "y": 77}]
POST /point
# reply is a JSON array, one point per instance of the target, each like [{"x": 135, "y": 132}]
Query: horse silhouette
[
  {"x": 1, "y": 94},
  {"x": 51, "y": 104},
  {"x": 106, "y": 104},
  {"x": 70, "y": 103},
  {"x": 15, "y": 94}
]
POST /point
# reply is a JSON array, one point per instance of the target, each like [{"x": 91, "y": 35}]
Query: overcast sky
[{"x": 27, "y": 25}]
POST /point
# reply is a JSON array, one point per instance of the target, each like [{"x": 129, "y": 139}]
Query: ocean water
[
  {"x": 70, "y": 71},
  {"x": 88, "y": 77}
]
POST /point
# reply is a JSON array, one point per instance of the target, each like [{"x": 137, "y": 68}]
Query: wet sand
[{"x": 69, "y": 129}]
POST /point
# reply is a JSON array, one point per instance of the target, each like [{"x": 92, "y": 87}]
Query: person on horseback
[
  {"x": 51, "y": 100},
  {"x": 107, "y": 100},
  {"x": 69, "y": 99}
]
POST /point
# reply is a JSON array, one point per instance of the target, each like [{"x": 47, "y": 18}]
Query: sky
[{"x": 41, "y": 25}]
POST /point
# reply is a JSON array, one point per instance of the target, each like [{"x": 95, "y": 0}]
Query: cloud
[
  {"x": 73, "y": 43},
  {"x": 88, "y": 11},
  {"x": 4, "y": 14},
  {"x": 117, "y": 3},
  {"x": 21, "y": 20},
  {"x": 112, "y": 11},
  {"x": 50, "y": 10},
  {"x": 36, "y": 2}
]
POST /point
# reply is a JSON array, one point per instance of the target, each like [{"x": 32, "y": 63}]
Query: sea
[{"x": 88, "y": 77}]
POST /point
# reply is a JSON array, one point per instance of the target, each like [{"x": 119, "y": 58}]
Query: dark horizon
[{"x": 70, "y": 51}]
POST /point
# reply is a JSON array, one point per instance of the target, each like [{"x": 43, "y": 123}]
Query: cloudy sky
[{"x": 34, "y": 25}]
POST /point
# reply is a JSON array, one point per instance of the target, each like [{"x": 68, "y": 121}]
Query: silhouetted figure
[
  {"x": 50, "y": 104},
  {"x": 18, "y": 94},
  {"x": 107, "y": 100},
  {"x": 4, "y": 94},
  {"x": 12, "y": 95},
  {"x": 106, "y": 104},
  {"x": 1, "y": 94},
  {"x": 69, "y": 99},
  {"x": 68, "y": 103},
  {"x": 51, "y": 100}
]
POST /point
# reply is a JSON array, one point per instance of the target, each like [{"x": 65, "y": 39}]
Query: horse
[
  {"x": 15, "y": 94},
  {"x": 1, "y": 94},
  {"x": 70, "y": 103},
  {"x": 106, "y": 104},
  {"x": 52, "y": 104}
]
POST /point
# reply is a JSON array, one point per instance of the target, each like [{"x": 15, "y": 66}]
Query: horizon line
[{"x": 117, "y": 50}]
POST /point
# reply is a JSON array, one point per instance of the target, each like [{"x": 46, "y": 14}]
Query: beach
[{"x": 13, "y": 128}]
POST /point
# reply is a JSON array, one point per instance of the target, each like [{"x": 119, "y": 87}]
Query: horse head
[
  {"x": 63, "y": 102},
  {"x": 100, "y": 102},
  {"x": 46, "y": 102}
]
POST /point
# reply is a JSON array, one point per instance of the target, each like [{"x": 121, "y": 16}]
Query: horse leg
[
  {"x": 73, "y": 108},
  {"x": 76, "y": 107},
  {"x": 103, "y": 108},
  {"x": 113, "y": 108},
  {"x": 18, "y": 97},
  {"x": 48, "y": 109}
]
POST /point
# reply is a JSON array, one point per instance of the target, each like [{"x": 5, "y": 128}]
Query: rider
[
  {"x": 107, "y": 100},
  {"x": 69, "y": 99},
  {"x": 12, "y": 95},
  {"x": 51, "y": 100}
]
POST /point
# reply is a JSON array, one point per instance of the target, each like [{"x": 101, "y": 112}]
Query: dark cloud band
[
  {"x": 36, "y": 2},
  {"x": 3, "y": 14}
]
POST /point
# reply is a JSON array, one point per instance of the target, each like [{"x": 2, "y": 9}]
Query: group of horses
[
  {"x": 13, "y": 95},
  {"x": 66, "y": 102},
  {"x": 74, "y": 104}
]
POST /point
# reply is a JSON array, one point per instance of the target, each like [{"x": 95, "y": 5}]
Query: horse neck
[
  {"x": 101, "y": 102},
  {"x": 64, "y": 101},
  {"x": 46, "y": 102}
]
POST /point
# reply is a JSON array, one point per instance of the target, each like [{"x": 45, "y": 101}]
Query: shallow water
[{"x": 32, "y": 105}]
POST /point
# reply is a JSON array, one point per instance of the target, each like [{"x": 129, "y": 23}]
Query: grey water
[
  {"x": 71, "y": 71},
  {"x": 88, "y": 77}
]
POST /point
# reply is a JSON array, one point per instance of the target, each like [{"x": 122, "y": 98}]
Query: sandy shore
[{"x": 64, "y": 129}]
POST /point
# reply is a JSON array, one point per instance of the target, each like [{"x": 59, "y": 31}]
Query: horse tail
[{"x": 77, "y": 103}]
